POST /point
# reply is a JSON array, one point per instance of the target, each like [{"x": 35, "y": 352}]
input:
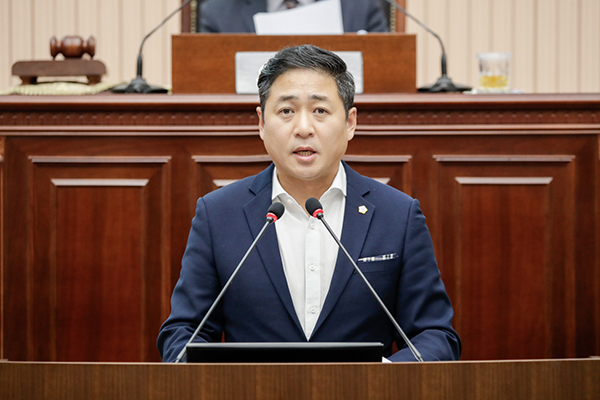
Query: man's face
[{"x": 304, "y": 127}]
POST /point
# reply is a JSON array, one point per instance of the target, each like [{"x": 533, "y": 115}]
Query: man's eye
[
  {"x": 321, "y": 111},
  {"x": 286, "y": 111}
]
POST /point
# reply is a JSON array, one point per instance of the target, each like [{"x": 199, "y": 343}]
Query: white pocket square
[{"x": 383, "y": 257}]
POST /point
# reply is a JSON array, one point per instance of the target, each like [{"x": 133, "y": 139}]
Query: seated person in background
[
  {"x": 235, "y": 16},
  {"x": 296, "y": 286}
]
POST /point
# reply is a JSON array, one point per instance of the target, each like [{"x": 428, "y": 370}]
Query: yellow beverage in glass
[
  {"x": 493, "y": 72},
  {"x": 493, "y": 82}
]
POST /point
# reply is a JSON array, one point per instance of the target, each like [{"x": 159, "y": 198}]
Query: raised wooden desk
[
  {"x": 533, "y": 380},
  {"x": 98, "y": 193}
]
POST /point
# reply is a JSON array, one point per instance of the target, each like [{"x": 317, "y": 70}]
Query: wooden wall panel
[
  {"x": 502, "y": 228},
  {"x": 508, "y": 247},
  {"x": 538, "y": 379},
  {"x": 99, "y": 254},
  {"x": 395, "y": 171},
  {"x": 213, "y": 172},
  {"x": 508, "y": 185},
  {"x": 596, "y": 277},
  {"x": 2, "y": 140},
  {"x": 97, "y": 270}
]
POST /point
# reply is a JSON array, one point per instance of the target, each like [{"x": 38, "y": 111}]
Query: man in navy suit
[
  {"x": 235, "y": 16},
  {"x": 297, "y": 286}
]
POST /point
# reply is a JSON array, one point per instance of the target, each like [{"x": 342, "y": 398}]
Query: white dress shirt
[
  {"x": 308, "y": 252},
  {"x": 278, "y": 5}
]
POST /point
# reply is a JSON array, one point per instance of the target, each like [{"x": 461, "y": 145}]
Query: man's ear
[
  {"x": 261, "y": 122},
  {"x": 351, "y": 123}
]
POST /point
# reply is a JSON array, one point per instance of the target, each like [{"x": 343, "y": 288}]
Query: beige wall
[
  {"x": 555, "y": 43},
  {"x": 118, "y": 26}
]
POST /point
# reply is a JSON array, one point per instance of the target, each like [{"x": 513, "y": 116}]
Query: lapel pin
[{"x": 362, "y": 209}]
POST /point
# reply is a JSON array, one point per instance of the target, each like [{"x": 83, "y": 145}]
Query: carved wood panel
[
  {"x": 508, "y": 250},
  {"x": 98, "y": 249},
  {"x": 512, "y": 208},
  {"x": 395, "y": 171},
  {"x": 213, "y": 172},
  {"x": 2, "y": 140}
]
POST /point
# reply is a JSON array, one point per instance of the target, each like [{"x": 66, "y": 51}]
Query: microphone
[
  {"x": 139, "y": 85},
  {"x": 273, "y": 214},
  {"x": 444, "y": 83},
  {"x": 314, "y": 208}
]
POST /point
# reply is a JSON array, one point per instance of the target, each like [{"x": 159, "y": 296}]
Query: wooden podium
[
  {"x": 205, "y": 63},
  {"x": 541, "y": 379}
]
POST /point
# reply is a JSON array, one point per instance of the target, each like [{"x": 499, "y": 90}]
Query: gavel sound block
[{"x": 72, "y": 48}]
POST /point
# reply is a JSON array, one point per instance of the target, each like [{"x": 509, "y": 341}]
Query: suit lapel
[
  {"x": 354, "y": 234},
  {"x": 268, "y": 248}
]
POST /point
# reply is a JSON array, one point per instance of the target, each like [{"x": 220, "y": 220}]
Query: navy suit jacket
[
  {"x": 258, "y": 306},
  {"x": 235, "y": 16}
]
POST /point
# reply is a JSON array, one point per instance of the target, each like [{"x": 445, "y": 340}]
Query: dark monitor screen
[{"x": 310, "y": 352}]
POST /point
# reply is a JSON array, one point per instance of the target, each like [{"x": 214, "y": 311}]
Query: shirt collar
[{"x": 338, "y": 184}]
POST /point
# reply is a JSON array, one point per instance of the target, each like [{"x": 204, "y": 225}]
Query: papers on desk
[{"x": 318, "y": 18}]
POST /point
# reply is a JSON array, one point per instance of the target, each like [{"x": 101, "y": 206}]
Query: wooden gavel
[{"x": 72, "y": 47}]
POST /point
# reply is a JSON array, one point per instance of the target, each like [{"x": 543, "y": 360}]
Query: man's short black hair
[{"x": 307, "y": 57}]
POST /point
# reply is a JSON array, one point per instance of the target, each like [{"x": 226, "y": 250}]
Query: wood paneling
[
  {"x": 535, "y": 380},
  {"x": 395, "y": 171},
  {"x": 99, "y": 193},
  {"x": 388, "y": 60},
  {"x": 508, "y": 243},
  {"x": 99, "y": 251},
  {"x": 213, "y": 172},
  {"x": 2, "y": 308}
]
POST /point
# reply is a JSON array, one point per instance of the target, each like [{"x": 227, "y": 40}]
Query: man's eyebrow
[
  {"x": 315, "y": 96},
  {"x": 319, "y": 97},
  {"x": 287, "y": 97}
]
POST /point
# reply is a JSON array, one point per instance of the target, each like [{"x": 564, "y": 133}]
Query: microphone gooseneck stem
[
  {"x": 422, "y": 25},
  {"x": 139, "y": 65},
  {"x": 412, "y": 348},
  {"x": 164, "y": 21},
  {"x": 269, "y": 221}
]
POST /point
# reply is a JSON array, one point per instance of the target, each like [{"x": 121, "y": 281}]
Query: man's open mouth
[{"x": 304, "y": 152}]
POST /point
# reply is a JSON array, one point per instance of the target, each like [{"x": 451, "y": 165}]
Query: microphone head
[
  {"x": 275, "y": 211},
  {"x": 314, "y": 208}
]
